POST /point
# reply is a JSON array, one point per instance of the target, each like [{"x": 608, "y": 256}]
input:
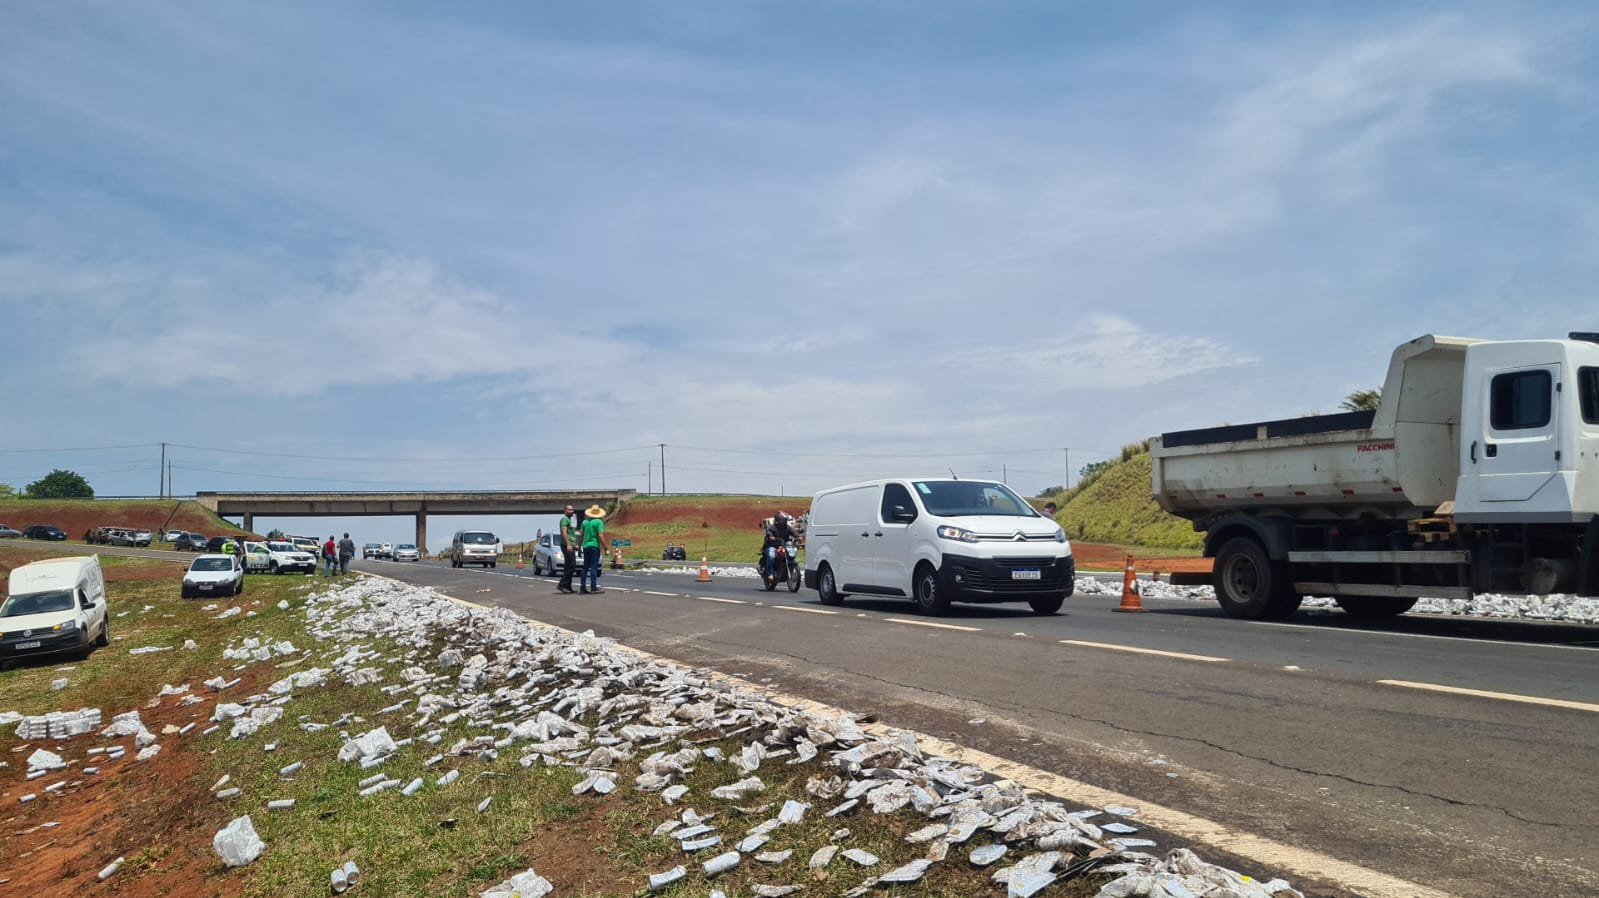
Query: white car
[
  {"x": 257, "y": 557},
  {"x": 407, "y": 552},
  {"x": 213, "y": 575},
  {"x": 386, "y": 550},
  {"x": 282, "y": 556}
]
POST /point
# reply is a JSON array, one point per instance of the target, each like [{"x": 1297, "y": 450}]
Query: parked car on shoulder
[
  {"x": 8, "y": 533},
  {"x": 547, "y": 557},
  {"x": 257, "y": 557},
  {"x": 283, "y": 557},
  {"x": 141, "y": 537},
  {"x": 308, "y": 544},
  {"x": 213, "y": 575},
  {"x": 191, "y": 542},
  {"x": 44, "y": 531},
  {"x": 407, "y": 552},
  {"x": 674, "y": 552},
  {"x": 58, "y": 605},
  {"x": 215, "y": 543}
]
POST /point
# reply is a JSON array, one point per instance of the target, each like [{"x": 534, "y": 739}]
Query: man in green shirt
[
  {"x": 570, "y": 539},
  {"x": 593, "y": 540}
]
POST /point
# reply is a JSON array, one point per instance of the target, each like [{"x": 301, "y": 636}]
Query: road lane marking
[
  {"x": 928, "y": 623},
  {"x": 1501, "y": 696},
  {"x": 1476, "y": 640},
  {"x": 806, "y": 610},
  {"x": 1181, "y": 656},
  {"x": 1265, "y": 851},
  {"x": 723, "y": 601},
  {"x": 651, "y": 592}
]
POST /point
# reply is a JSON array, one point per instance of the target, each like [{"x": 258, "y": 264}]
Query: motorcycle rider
[{"x": 778, "y": 534}]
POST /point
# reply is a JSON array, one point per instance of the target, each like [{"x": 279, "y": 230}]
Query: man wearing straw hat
[{"x": 594, "y": 543}]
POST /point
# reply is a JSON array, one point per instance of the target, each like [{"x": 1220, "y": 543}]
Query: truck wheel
[
  {"x": 930, "y": 599},
  {"x": 1047, "y": 606},
  {"x": 1249, "y": 585},
  {"x": 827, "y": 588},
  {"x": 1374, "y": 607}
]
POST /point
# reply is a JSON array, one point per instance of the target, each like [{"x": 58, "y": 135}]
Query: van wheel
[
  {"x": 929, "y": 598},
  {"x": 827, "y": 587},
  {"x": 105, "y": 632},
  {"x": 1047, "y": 606}
]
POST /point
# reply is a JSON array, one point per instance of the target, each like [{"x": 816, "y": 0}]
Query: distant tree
[
  {"x": 7, "y": 491},
  {"x": 59, "y": 484},
  {"x": 275, "y": 534},
  {"x": 1048, "y": 491},
  {"x": 1092, "y": 470},
  {"x": 1362, "y": 401}
]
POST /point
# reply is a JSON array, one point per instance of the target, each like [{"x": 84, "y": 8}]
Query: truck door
[
  {"x": 892, "y": 552},
  {"x": 1514, "y": 454}
]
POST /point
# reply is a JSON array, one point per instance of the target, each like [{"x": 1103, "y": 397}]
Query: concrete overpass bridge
[{"x": 249, "y": 506}]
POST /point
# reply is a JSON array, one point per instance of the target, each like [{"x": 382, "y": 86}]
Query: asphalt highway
[{"x": 1455, "y": 754}]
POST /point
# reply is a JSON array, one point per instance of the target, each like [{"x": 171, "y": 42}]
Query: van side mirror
[{"x": 903, "y": 515}]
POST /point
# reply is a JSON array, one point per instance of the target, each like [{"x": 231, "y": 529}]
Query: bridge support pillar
[
  {"x": 422, "y": 532},
  {"x": 249, "y": 523}
]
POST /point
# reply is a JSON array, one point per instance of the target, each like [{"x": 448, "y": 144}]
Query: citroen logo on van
[{"x": 1019, "y": 537}]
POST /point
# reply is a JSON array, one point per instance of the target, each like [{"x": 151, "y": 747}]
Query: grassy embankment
[
  {"x": 161, "y": 813},
  {"x": 1114, "y": 507},
  {"x": 75, "y": 516}
]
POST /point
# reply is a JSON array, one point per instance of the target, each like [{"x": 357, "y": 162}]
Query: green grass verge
[{"x": 1116, "y": 507}]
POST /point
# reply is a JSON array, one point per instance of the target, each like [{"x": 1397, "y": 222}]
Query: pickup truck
[{"x": 1477, "y": 472}]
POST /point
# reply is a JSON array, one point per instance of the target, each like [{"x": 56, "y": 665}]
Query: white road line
[
  {"x": 651, "y": 592},
  {"x": 806, "y": 610},
  {"x": 1475, "y": 640},
  {"x": 1181, "y": 656},
  {"x": 927, "y": 623},
  {"x": 723, "y": 601},
  {"x": 1501, "y": 696}
]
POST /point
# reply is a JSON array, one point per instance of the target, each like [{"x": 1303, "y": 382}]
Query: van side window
[
  {"x": 895, "y": 494},
  {"x": 1520, "y": 400},
  {"x": 1588, "y": 393}
]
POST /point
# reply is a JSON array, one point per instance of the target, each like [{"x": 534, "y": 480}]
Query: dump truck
[{"x": 1478, "y": 472}]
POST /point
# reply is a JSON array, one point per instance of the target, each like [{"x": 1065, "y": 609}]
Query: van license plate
[
  {"x": 28, "y": 645},
  {"x": 1025, "y": 574}
]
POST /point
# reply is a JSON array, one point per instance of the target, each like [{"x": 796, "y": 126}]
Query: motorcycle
[{"x": 782, "y": 565}]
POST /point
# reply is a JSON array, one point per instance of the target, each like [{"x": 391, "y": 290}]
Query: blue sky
[{"x": 488, "y": 245}]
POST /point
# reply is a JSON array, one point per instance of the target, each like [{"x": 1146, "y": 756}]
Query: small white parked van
[
  {"x": 936, "y": 540},
  {"x": 55, "y": 606}
]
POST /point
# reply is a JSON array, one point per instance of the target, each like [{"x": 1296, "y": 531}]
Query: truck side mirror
[{"x": 902, "y": 515}]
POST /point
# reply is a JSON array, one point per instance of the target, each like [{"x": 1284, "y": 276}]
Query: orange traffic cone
[
  {"x": 705, "y": 570},
  {"x": 616, "y": 559},
  {"x": 519, "y": 561},
  {"x": 1131, "y": 601}
]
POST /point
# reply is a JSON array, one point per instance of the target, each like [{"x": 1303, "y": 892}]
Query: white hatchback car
[{"x": 213, "y": 575}]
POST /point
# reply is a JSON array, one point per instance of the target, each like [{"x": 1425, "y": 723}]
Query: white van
[
  {"x": 936, "y": 540},
  {"x": 54, "y": 606},
  {"x": 474, "y": 547}
]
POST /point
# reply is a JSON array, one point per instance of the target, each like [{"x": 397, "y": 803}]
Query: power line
[
  {"x": 471, "y": 458},
  {"x": 86, "y": 448}
]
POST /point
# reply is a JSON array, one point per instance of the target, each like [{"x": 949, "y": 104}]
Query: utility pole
[
  {"x": 161, "y": 491},
  {"x": 1004, "y": 474},
  {"x": 649, "y": 479},
  {"x": 663, "y": 469},
  {"x": 1068, "y": 466}
]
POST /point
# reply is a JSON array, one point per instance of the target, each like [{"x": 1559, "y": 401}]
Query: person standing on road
[
  {"x": 330, "y": 560},
  {"x": 571, "y": 538},
  {"x": 593, "y": 544},
  {"x": 346, "y": 552}
]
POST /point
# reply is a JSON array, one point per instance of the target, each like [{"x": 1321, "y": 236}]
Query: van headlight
[
  {"x": 960, "y": 534},
  {"x": 1060, "y": 535}
]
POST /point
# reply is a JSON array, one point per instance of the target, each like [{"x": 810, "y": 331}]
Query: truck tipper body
[{"x": 1477, "y": 472}]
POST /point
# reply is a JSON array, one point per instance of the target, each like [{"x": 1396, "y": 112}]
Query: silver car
[{"x": 407, "y": 552}]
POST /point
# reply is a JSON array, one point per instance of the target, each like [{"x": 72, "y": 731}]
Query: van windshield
[
  {"x": 478, "y": 538},
  {"x": 956, "y": 498},
  {"x": 37, "y": 603}
]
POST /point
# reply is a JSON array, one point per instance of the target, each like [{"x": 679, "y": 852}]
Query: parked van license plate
[
  {"x": 1025, "y": 574},
  {"x": 29, "y": 645}
]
